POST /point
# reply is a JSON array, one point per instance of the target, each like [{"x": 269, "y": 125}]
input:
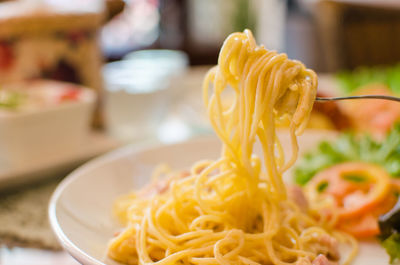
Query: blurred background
[{"x": 81, "y": 77}]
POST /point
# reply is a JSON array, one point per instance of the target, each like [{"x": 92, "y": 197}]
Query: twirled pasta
[{"x": 234, "y": 210}]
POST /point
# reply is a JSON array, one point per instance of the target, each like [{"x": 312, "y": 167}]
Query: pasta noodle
[{"x": 234, "y": 210}]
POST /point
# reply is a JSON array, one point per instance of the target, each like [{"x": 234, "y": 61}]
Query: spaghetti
[{"x": 234, "y": 210}]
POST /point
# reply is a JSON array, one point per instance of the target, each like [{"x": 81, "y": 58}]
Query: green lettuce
[
  {"x": 392, "y": 246},
  {"x": 350, "y": 81},
  {"x": 10, "y": 99},
  {"x": 349, "y": 147}
]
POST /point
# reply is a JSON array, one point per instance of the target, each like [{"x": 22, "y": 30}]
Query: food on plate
[
  {"x": 42, "y": 117},
  {"x": 372, "y": 115},
  {"x": 352, "y": 81},
  {"x": 38, "y": 94},
  {"x": 50, "y": 39},
  {"x": 236, "y": 209},
  {"x": 10, "y": 99},
  {"x": 352, "y": 184},
  {"x": 351, "y": 196},
  {"x": 328, "y": 115},
  {"x": 350, "y": 147}
]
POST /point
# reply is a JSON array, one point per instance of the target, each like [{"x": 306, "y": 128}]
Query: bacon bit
[
  {"x": 325, "y": 245},
  {"x": 303, "y": 261},
  {"x": 331, "y": 245},
  {"x": 322, "y": 260},
  {"x": 296, "y": 194},
  {"x": 319, "y": 260},
  {"x": 164, "y": 185},
  {"x": 161, "y": 185}
]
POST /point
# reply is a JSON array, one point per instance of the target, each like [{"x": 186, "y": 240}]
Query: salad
[
  {"x": 354, "y": 183},
  {"x": 350, "y": 147},
  {"x": 351, "y": 81},
  {"x": 373, "y": 116},
  {"x": 10, "y": 99},
  {"x": 36, "y": 95}
]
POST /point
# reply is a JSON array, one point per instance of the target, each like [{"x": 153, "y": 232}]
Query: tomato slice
[
  {"x": 367, "y": 225},
  {"x": 70, "y": 95},
  {"x": 359, "y": 191},
  {"x": 372, "y": 115},
  {"x": 355, "y": 186},
  {"x": 363, "y": 227}
]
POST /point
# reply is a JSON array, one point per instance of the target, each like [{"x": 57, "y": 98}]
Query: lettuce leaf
[
  {"x": 349, "y": 147},
  {"x": 350, "y": 81},
  {"x": 392, "y": 246},
  {"x": 10, "y": 99}
]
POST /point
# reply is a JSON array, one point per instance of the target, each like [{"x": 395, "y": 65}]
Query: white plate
[
  {"x": 96, "y": 144},
  {"x": 80, "y": 209}
]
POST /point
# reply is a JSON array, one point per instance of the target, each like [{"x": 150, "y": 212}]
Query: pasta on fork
[{"x": 236, "y": 209}]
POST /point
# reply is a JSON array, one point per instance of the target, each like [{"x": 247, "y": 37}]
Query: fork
[{"x": 358, "y": 97}]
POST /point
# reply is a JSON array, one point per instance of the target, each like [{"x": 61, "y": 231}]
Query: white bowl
[
  {"x": 80, "y": 208},
  {"x": 29, "y": 137}
]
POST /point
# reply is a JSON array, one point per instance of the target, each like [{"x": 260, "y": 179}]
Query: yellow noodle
[{"x": 234, "y": 210}]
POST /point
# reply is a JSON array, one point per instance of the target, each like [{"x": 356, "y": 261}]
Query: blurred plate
[
  {"x": 60, "y": 163},
  {"x": 80, "y": 209}
]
